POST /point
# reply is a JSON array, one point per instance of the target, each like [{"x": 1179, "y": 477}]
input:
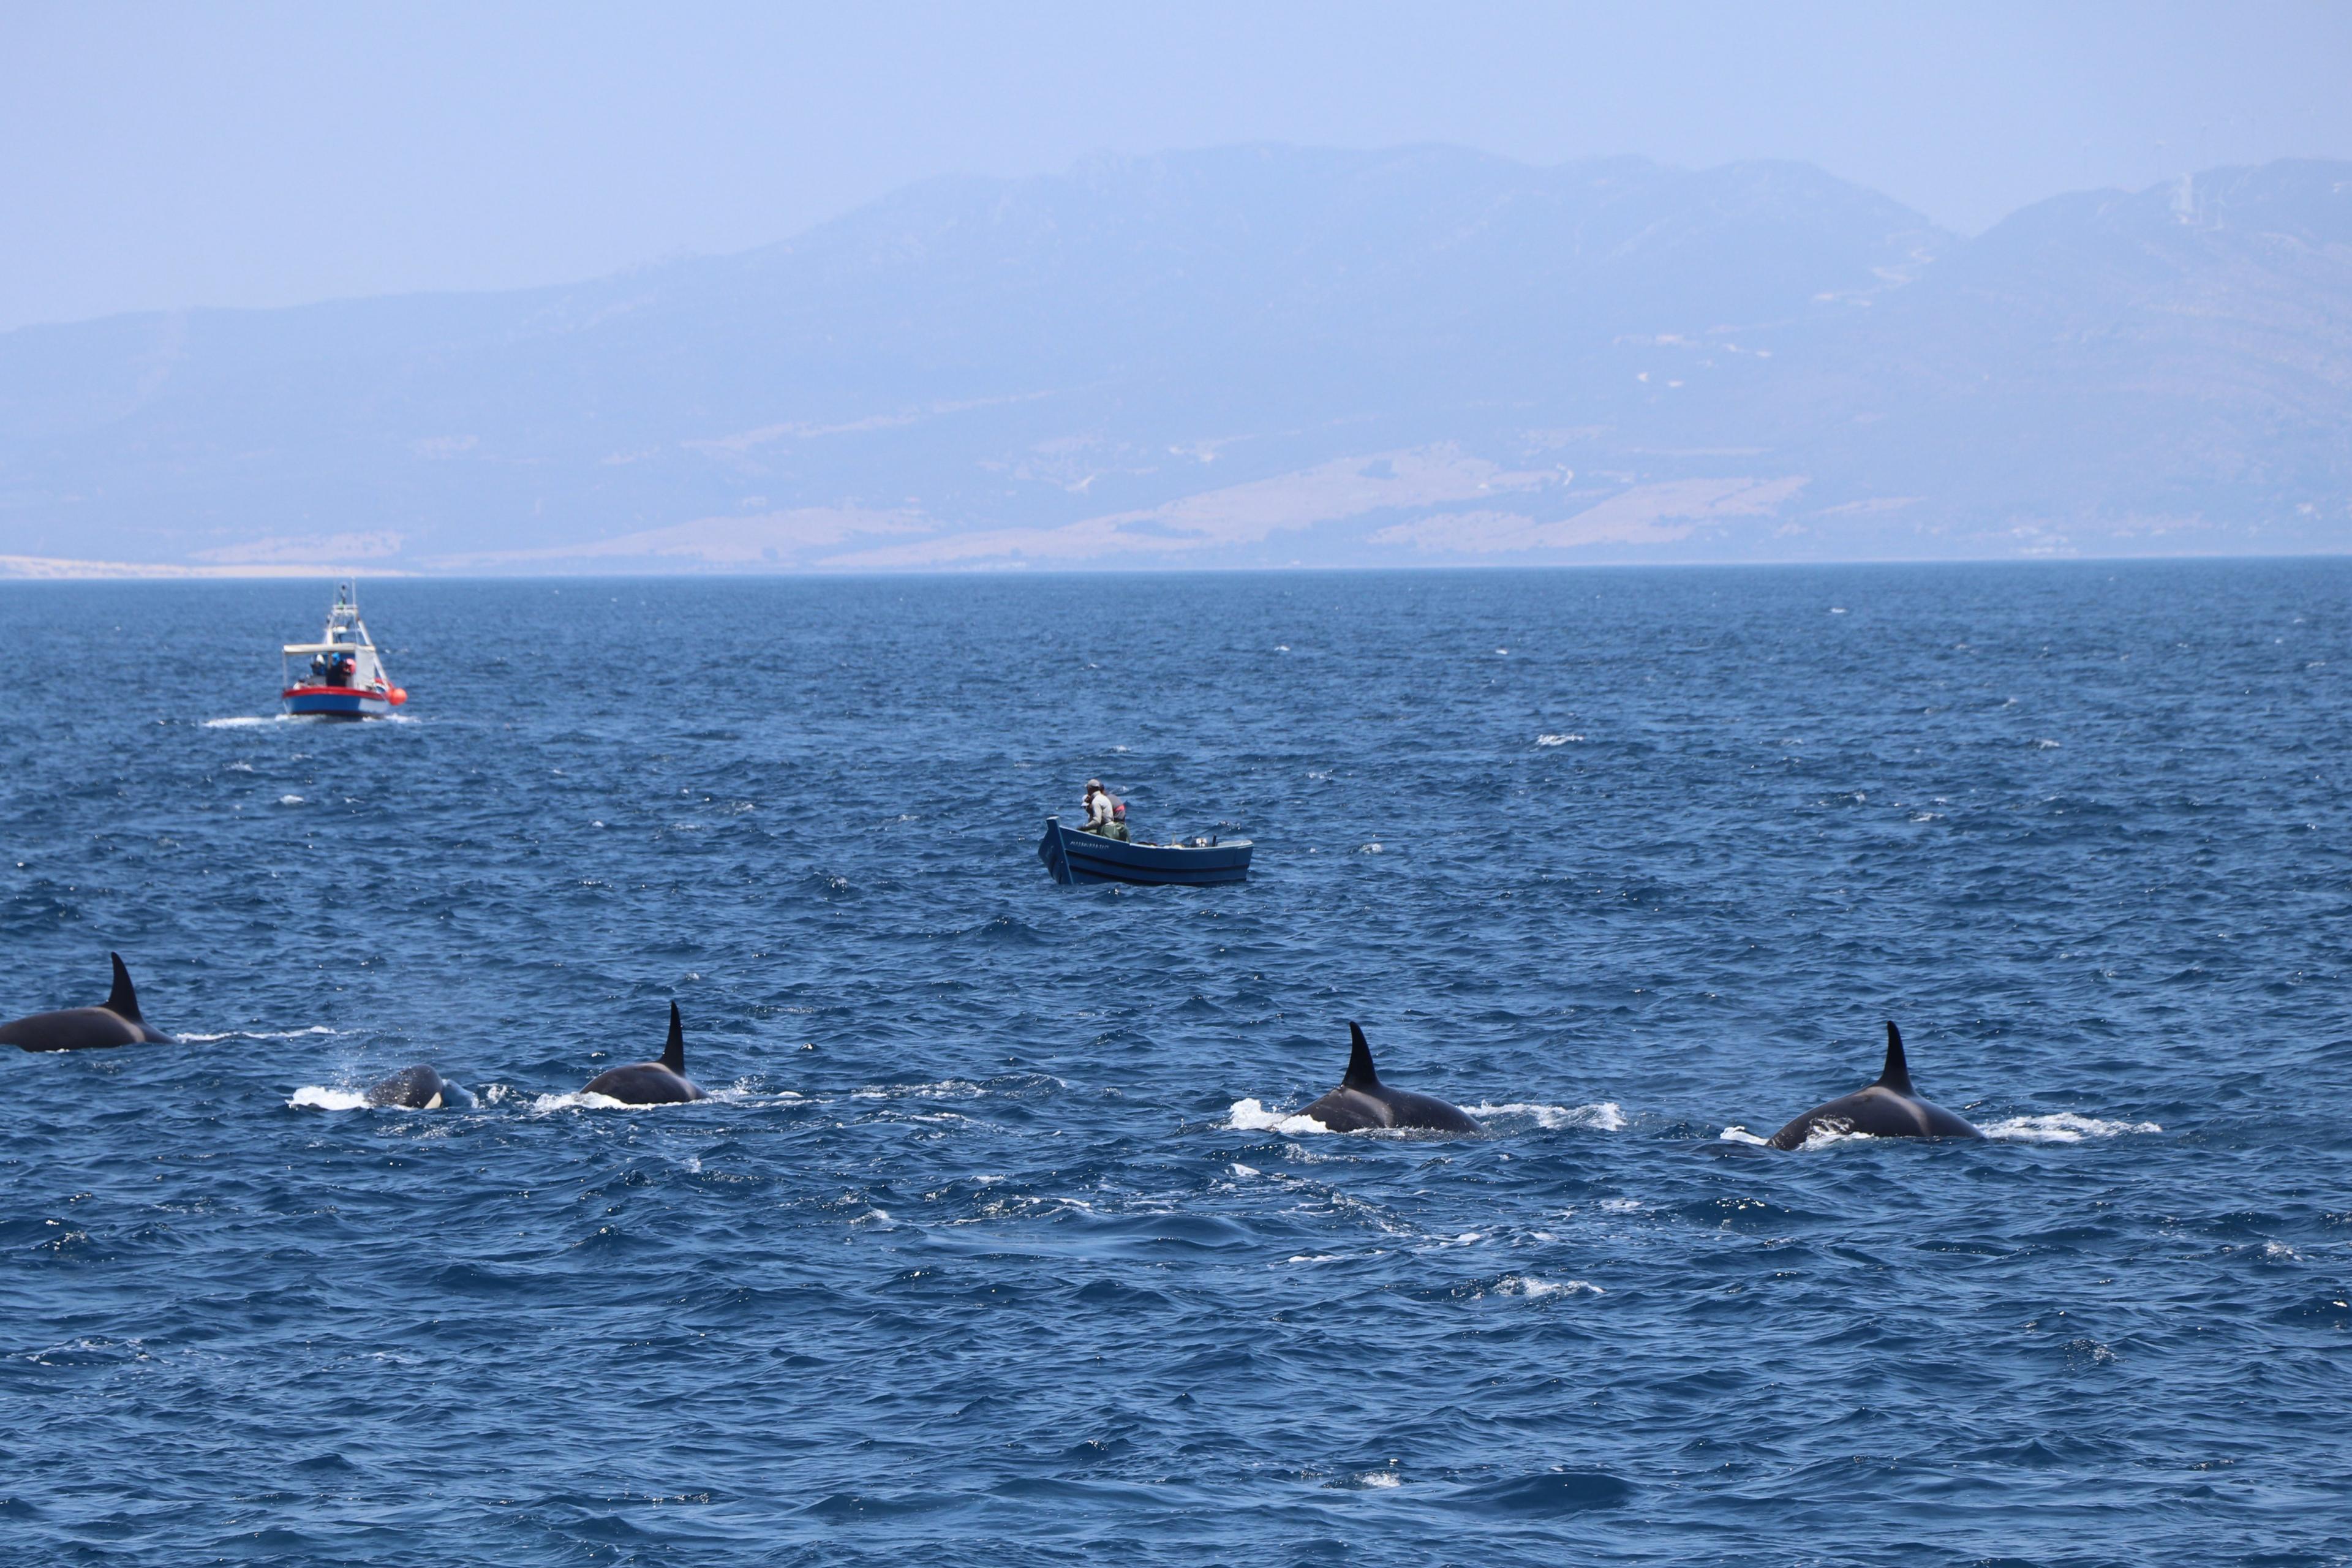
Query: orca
[
  {"x": 651, "y": 1083},
  {"x": 1362, "y": 1102},
  {"x": 419, "y": 1088},
  {"x": 1890, "y": 1108},
  {"x": 115, "y": 1022}
]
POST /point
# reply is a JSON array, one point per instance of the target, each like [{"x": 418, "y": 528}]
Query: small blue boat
[{"x": 1074, "y": 855}]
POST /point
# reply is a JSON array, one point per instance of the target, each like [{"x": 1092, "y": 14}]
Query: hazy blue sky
[{"x": 257, "y": 154}]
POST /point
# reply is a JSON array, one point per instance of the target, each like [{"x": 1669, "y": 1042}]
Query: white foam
[
  {"x": 311, "y": 1097},
  {"x": 1823, "y": 1135},
  {"x": 1605, "y": 1115},
  {"x": 582, "y": 1101},
  {"x": 946, "y": 1089},
  {"x": 187, "y": 1039},
  {"x": 1368, "y": 849},
  {"x": 1379, "y": 1479},
  {"x": 1242, "y": 1171},
  {"x": 247, "y": 723},
  {"x": 289, "y": 799},
  {"x": 1556, "y": 740},
  {"x": 2064, "y": 1127},
  {"x": 1250, "y": 1116},
  {"x": 2046, "y": 745},
  {"x": 1536, "y": 1289}
]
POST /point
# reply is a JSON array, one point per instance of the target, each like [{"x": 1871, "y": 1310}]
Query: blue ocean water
[{"x": 996, "y": 1243}]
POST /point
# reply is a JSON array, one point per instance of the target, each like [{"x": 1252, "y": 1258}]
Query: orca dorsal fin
[
  {"x": 123, "y": 1001},
  {"x": 673, "y": 1055},
  {"x": 1360, "y": 1062},
  {"x": 1898, "y": 1076}
]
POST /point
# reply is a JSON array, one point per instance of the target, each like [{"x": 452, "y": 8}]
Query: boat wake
[{"x": 257, "y": 721}]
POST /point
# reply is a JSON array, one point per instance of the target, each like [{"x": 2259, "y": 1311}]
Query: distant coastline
[{"x": 1252, "y": 358}]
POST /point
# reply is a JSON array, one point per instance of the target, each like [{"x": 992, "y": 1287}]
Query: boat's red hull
[{"x": 336, "y": 701}]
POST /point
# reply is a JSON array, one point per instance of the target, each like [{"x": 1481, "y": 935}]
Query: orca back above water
[
  {"x": 419, "y": 1088},
  {"x": 651, "y": 1083},
  {"x": 114, "y": 1022},
  {"x": 1890, "y": 1108},
  {"x": 1362, "y": 1102}
]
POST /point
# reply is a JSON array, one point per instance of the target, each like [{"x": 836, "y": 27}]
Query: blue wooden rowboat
[{"x": 1074, "y": 855}]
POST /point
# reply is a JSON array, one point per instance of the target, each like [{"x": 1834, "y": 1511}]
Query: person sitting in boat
[
  {"x": 1106, "y": 813},
  {"x": 339, "y": 671},
  {"x": 317, "y": 667}
]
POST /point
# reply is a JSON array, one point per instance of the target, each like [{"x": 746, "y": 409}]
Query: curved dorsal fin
[
  {"x": 674, "y": 1054},
  {"x": 1360, "y": 1062},
  {"x": 1898, "y": 1076},
  {"x": 123, "y": 1001}
]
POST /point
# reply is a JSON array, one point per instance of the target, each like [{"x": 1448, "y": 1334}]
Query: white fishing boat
[{"x": 345, "y": 678}]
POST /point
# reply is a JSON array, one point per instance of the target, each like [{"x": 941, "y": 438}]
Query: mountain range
[{"x": 1256, "y": 356}]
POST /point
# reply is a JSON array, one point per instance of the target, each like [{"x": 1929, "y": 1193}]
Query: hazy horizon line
[{"x": 136, "y": 573}]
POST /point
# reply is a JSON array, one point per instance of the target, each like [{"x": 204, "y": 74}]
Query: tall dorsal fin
[
  {"x": 674, "y": 1053},
  {"x": 1360, "y": 1062},
  {"x": 123, "y": 1001},
  {"x": 1898, "y": 1076}
]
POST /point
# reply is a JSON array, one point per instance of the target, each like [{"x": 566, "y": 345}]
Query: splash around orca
[
  {"x": 1362, "y": 1102},
  {"x": 651, "y": 1083},
  {"x": 114, "y": 1022},
  {"x": 419, "y": 1087},
  {"x": 1890, "y": 1108}
]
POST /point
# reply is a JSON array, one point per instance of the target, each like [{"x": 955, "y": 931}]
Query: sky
[{"x": 163, "y": 156}]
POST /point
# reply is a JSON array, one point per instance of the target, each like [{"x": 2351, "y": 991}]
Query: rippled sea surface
[{"x": 998, "y": 1242}]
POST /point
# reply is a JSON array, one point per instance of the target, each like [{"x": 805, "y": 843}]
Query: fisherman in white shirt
[{"x": 1105, "y": 814}]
